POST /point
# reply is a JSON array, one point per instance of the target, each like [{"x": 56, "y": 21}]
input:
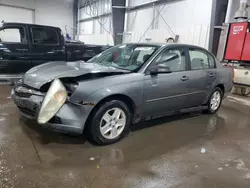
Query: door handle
[
  {"x": 22, "y": 49},
  {"x": 211, "y": 75},
  {"x": 184, "y": 78}
]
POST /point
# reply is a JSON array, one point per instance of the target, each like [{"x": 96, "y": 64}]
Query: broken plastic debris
[
  {"x": 91, "y": 158},
  {"x": 203, "y": 150},
  {"x": 220, "y": 169}
]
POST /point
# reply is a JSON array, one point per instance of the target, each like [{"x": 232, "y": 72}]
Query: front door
[
  {"x": 14, "y": 50},
  {"x": 167, "y": 92},
  {"x": 47, "y": 45}
]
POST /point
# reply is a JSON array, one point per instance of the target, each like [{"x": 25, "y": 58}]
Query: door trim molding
[{"x": 174, "y": 96}]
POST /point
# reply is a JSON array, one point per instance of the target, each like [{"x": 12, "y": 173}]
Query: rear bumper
[{"x": 70, "y": 118}]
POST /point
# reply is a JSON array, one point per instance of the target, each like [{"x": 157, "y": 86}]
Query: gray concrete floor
[{"x": 161, "y": 153}]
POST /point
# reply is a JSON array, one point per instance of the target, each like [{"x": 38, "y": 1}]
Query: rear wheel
[
  {"x": 109, "y": 123},
  {"x": 215, "y": 100}
]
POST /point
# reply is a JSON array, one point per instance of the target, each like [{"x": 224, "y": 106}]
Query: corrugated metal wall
[
  {"x": 99, "y": 29},
  {"x": 188, "y": 18}
]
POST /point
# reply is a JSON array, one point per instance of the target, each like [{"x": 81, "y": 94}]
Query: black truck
[{"x": 23, "y": 46}]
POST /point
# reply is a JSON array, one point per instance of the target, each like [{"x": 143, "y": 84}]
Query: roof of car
[{"x": 166, "y": 44}]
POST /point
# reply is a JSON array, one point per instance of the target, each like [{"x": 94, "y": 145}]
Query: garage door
[{"x": 14, "y": 14}]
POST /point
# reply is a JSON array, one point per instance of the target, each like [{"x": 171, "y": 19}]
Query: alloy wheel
[
  {"x": 215, "y": 100},
  {"x": 112, "y": 123}
]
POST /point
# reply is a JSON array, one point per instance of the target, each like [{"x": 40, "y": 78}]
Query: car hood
[{"x": 42, "y": 74}]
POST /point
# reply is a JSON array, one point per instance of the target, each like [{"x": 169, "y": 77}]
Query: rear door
[
  {"x": 14, "y": 50},
  {"x": 202, "y": 75},
  {"x": 47, "y": 45}
]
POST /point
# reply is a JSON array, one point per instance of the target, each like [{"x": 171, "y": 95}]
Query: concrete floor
[{"x": 193, "y": 150}]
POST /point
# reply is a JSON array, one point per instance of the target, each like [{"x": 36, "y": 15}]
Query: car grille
[
  {"x": 27, "y": 111},
  {"x": 25, "y": 91},
  {"x": 55, "y": 120}
]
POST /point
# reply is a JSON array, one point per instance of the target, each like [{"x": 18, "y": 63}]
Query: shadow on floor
[{"x": 206, "y": 123}]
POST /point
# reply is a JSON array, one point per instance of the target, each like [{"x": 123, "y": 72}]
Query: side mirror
[{"x": 159, "y": 69}]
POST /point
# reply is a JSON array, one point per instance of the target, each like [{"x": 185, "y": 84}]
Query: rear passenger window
[
  {"x": 201, "y": 59},
  {"x": 44, "y": 36}
]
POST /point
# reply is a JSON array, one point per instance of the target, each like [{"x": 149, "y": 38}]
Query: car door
[
  {"x": 14, "y": 50},
  {"x": 47, "y": 45},
  {"x": 166, "y": 92},
  {"x": 202, "y": 75}
]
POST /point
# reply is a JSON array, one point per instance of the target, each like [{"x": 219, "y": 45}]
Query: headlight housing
[{"x": 53, "y": 101}]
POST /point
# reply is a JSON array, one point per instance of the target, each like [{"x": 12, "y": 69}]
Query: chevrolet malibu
[{"x": 120, "y": 86}]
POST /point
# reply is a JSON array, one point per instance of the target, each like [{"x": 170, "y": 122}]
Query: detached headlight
[{"x": 53, "y": 101}]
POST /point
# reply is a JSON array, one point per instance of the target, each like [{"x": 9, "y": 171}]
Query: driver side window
[{"x": 174, "y": 59}]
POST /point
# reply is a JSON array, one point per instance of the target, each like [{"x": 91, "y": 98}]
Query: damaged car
[{"x": 122, "y": 85}]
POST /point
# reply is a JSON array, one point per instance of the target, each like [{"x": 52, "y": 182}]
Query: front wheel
[
  {"x": 109, "y": 122},
  {"x": 215, "y": 100}
]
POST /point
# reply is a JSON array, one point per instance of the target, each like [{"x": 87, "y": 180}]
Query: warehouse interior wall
[
  {"x": 190, "y": 19},
  {"x": 91, "y": 32},
  {"x": 98, "y": 28},
  {"x": 57, "y": 13}
]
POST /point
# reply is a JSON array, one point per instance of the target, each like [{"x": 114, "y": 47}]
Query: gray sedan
[{"x": 120, "y": 86}]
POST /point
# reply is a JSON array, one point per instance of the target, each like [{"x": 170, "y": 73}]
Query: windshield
[{"x": 128, "y": 57}]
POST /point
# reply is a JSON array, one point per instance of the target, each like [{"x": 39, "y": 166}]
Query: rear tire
[
  {"x": 109, "y": 123},
  {"x": 214, "y": 101}
]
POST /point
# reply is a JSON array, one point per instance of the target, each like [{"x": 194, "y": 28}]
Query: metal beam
[
  {"x": 75, "y": 15},
  {"x": 144, "y": 5},
  {"x": 94, "y": 17},
  {"x": 14, "y": 6},
  {"x": 212, "y": 24}
]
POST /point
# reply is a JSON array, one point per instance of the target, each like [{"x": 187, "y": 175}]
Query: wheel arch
[
  {"x": 121, "y": 97},
  {"x": 222, "y": 87}
]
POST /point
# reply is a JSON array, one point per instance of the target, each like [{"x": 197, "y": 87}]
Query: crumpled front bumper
[{"x": 70, "y": 118}]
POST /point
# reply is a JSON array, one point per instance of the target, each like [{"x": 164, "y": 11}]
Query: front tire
[
  {"x": 109, "y": 123},
  {"x": 215, "y": 100}
]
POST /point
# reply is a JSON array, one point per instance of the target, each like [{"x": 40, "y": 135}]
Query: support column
[
  {"x": 75, "y": 18},
  {"x": 118, "y": 18}
]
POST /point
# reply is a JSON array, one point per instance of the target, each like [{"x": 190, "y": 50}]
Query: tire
[
  {"x": 213, "y": 109},
  {"x": 100, "y": 124}
]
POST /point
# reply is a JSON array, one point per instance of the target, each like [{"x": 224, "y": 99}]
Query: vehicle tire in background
[
  {"x": 214, "y": 101},
  {"x": 109, "y": 122}
]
